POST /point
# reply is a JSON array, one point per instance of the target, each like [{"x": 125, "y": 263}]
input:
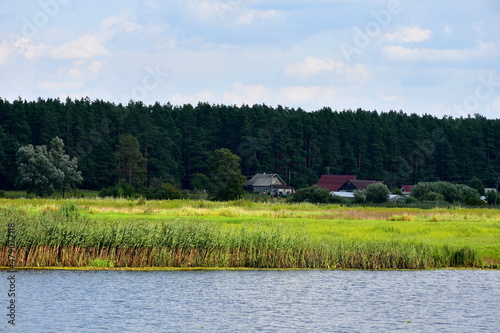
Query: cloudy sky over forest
[{"x": 434, "y": 57}]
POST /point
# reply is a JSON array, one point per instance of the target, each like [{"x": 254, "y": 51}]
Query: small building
[
  {"x": 406, "y": 189},
  {"x": 334, "y": 182},
  {"x": 356, "y": 184},
  {"x": 268, "y": 183}
]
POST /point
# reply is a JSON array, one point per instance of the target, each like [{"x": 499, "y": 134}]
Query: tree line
[{"x": 176, "y": 141}]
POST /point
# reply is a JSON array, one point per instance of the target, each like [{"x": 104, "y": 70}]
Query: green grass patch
[{"x": 184, "y": 233}]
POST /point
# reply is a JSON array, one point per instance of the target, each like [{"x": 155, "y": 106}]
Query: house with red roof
[{"x": 406, "y": 189}]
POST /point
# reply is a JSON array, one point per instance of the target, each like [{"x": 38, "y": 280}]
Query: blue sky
[{"x": 424, "y": 57}]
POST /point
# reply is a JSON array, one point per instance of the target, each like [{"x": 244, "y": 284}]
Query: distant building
[
  {"x": 333, "y": 183},
  {"x": 406, "y": 189},
  {"x": 268, "y": 183}
]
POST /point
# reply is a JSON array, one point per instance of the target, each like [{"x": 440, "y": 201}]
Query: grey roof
[{"x": 264, "y": 179}]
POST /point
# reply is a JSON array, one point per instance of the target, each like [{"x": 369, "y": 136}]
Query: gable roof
[
  {"x": 407, "y": 188},
  {"x": 334, "y": 182},
  {"x": 265, "y": 180}
]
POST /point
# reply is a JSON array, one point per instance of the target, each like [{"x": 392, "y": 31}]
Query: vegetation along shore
[{"x": 245, "y": 234}]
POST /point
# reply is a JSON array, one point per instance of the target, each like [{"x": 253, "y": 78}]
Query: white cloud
[
  {"x": 311, "y": 66},
  {"x": 245, "y": 94},
  {"x": 250, "y": 16},
  {"x": 400, "y": 53},
  {"x": 495, "y": 108},
  {"x": 408, "y": 35},
  {"x": 119, "y": 22},
  {"x": 58, "y": 86},
  {"x": 204, "y": 10},
  {"x": 301, "y": 95},
  {"x": 5, "y": 52},
  {"x": 82, "y": 69},
  {"x": 26, "y": 47},
  {"x": 86, "y": 47},
  {"x": 389, "y": 97},
  {"x": 448, "y": 30}
]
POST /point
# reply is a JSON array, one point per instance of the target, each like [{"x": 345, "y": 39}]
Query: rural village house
[{"x": 267, "y": 183}]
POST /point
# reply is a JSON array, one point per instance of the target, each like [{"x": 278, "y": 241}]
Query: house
[
  {"x": 268, "y": 183},
  {"x": 334, "y": 182},
  {"x": 356, "y": 184},
  {"x": 406, "y": 189}
]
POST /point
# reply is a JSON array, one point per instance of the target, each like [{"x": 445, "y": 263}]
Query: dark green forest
[{"x": 300, "y": 146}]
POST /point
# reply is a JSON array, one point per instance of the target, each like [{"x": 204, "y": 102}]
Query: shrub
[
  {"x": 335, "y": 199},
  {"x": 397, "y": 191},
  {"x": 377, "y": 193},
  {"x": 473, "y": 201},
  {"x": 312, "y": 194},
  {"x": 410, "y": 200},
  {"x": 477, "y": 184},
  {"x": 490, "y": 197},
  {"x": 451, "y": 192},
  {"x": 120, "y": 190},
  {"x": 432, "y": 196},
  {"x": 164, "y": 191},
  {"x": 2, "y": 194},
  {"x": 359, "y": 196},
  {"x": 200, "y": 182}
]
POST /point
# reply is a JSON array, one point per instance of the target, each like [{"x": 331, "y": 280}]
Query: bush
[
  {"x": 200, "y": 182},
  {"x": 335, "y": 199},
  {"x": 312, "y": 194},
  {"x": 359, "y": 196},
  {"x": 473, "y": 201},
  {"x": 490, "y": 197},
  {"x": 477, "y": 184},
  {"x": 164, "y": 191},
  {"x": 2, "y": 194},
  {"x": 432, "y": 196},
  {"x": 377, "y": 193},
  {"x": 397, "y": 190},
  {"x": 451, "y": 192},
  {"x": 120, "y": 190},
  {"x": 410, "y": 200}
]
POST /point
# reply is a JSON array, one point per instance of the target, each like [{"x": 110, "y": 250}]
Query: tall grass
[{"x": 66, "y": 237}]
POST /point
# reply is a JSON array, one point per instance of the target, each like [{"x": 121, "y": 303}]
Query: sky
[{"x": 425, "y": 57}]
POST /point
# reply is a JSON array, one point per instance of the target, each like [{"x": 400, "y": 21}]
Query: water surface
[{"x": 257, "y": 301}]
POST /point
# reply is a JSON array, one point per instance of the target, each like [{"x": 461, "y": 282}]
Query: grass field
[{"x": 181, "y": 233}]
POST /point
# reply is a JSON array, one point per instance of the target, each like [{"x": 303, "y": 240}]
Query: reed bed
[{"x": 66, "y": 237}]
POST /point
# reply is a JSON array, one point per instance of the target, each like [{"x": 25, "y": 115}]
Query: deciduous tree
[{"x": 226, "y": 180}]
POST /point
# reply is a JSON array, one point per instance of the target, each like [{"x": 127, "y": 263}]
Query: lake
[{"x": 256, "y": 301}]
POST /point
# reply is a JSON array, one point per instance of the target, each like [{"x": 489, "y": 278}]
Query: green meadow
[{"x": 182, "y": 233}]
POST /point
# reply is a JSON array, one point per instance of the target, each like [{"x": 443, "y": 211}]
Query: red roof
[
  {"x": 334, "y": 182},
  {"x": 407, "y": 188}
]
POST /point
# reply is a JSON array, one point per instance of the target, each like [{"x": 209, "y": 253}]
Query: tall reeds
[{"x": 65, "y": 237}]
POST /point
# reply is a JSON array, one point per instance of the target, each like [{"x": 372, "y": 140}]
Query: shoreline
[{"x": 174, "y": 269}]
